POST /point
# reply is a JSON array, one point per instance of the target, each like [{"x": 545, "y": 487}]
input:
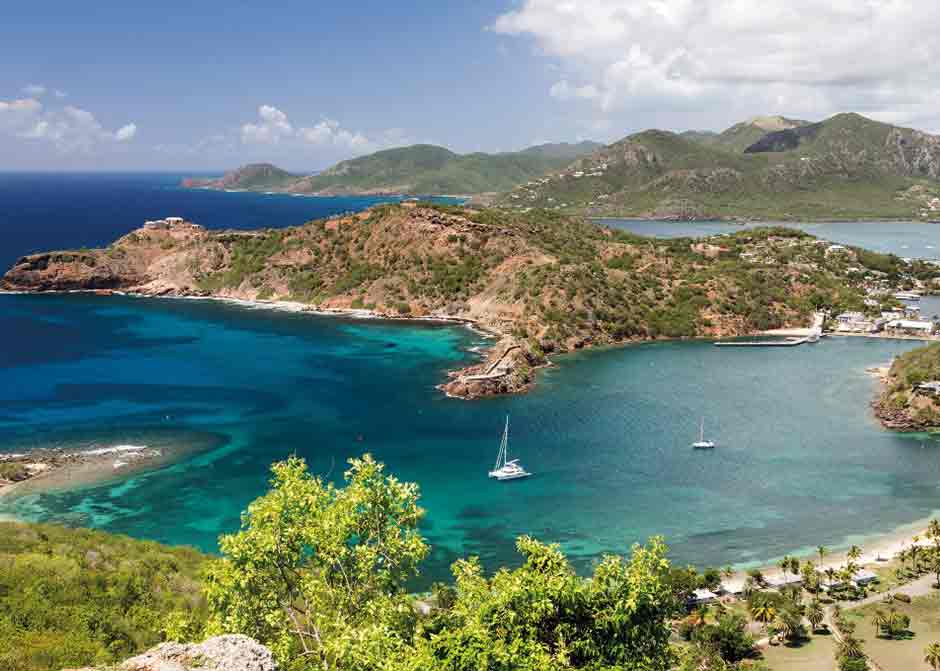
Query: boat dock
[{"x": 788, "y": 342}]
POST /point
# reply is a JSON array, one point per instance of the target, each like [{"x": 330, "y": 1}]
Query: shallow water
[{"x": 800, "y": 460}]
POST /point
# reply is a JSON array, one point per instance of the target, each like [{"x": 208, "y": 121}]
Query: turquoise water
[
  {"x": 906, "y": 239},
  {"x": 800, "y": 459}
]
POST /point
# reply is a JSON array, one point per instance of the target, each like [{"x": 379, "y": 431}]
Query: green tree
[
  {"x": 317, "y": 571},
  {"x": 854, "y": 553},
  {"x": 763, "y": 612},
  {"x": 932, "y": 656},
  {"x": 815, "y": 614},
  {"x": 879, "y": 620},
  {"x": 822, "y": 551},
  {"x": 543, "y": 616}
]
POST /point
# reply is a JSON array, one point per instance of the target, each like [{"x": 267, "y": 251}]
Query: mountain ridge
[
  {"x": 419, "y": 169},
  {"x": 845, "y": 167}
]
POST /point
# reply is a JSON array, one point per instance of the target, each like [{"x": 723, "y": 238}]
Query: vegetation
[
  {"x": 417, "y": 169},
  {"x": 75, "y": 597},
  {"x": 901, "y": 405},
  {"x": 846, "y": 167}
]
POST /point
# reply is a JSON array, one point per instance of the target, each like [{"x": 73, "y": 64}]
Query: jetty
[
  {"x": 810, "y": 335},
  {"x": 787, "y": 342}
]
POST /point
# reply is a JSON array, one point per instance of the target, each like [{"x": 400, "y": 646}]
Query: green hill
[
  {"x": 847, "y": 167},
  {"x": 418, "y": 169}
]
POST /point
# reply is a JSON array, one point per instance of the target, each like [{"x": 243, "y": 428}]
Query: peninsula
[
  {"x": 542, "y": 282},
  {"x": 910, "y": 395}
]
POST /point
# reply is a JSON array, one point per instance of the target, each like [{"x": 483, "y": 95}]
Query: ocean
[{"x": 800, "y": 460}]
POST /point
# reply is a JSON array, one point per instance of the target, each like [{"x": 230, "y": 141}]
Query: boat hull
[{"x": 508, "y": 476}]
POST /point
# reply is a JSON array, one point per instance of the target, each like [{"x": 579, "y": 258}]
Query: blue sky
[{"x": 210, "y": 85}]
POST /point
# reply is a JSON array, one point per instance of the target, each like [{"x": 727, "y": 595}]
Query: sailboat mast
[{"x": 701, "y": 431}]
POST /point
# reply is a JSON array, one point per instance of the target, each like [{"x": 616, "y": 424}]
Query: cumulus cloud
[
  {"x": 125, "y": 133},
  {"x": 69, "y": 129},
  {"x": 726, "y": 57},
  {"x": 271, "y": 127},
  {"x": 330, "y": 132}
]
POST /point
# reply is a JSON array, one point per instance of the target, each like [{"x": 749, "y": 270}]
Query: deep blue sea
[{"x": 800, "y": 461}]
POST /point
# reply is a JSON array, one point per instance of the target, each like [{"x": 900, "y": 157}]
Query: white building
[{"x": 910, "y": 326}]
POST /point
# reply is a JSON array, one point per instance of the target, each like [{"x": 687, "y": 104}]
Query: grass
[
  {"x": 813, "y": 654},
  {"x": 902, "y": 654}
]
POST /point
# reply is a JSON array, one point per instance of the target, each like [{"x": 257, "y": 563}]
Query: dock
[{"x": 788, "y": 342}]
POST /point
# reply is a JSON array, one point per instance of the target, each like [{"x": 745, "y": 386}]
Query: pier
[
  {"x": 788, "y": 342},
  {"x": 813, "y": 334}
]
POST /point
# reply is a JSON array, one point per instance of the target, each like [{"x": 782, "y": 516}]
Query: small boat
[
  {"x": 506, "y": 468},
  {"x": 701, "y": 443}
]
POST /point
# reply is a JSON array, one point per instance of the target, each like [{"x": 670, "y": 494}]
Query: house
[
  {"x": 702, "y": 596},
  {"x": 732, "y": 587},
  {"x": 864, "y": 577},
  {"x": 174, "y": 220},
  {"x": 835, "y": 249},
  {"x": 910, "y": 326},
  {"x": 854, "y": 322},
  {"x": 911, "y": 312},
  {"x": 784, "y": 580}
]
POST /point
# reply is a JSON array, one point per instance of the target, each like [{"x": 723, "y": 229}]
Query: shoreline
[{"x": 91, "y": 469}]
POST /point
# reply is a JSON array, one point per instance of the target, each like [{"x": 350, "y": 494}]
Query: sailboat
[
  {"x": 506, "y": 468},
  {"x": 701, "y": 443}
]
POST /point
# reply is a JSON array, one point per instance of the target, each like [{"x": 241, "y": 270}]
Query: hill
[
  {"x": 847, "y": 167},
  {"x": 421, "y": 169},
  {"x": 252, "y": 177},
  {"x": 901, "y": 405},
  {"x": 742, "y": 135},
  {"x": 542, "y": 281},
  {"x": 71, "y": 598}
]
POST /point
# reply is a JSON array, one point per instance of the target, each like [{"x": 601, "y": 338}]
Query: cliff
[{"x": 542, "y": 282}]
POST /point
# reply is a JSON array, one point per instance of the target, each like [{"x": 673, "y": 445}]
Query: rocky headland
[
  {"x": 907, "y": 400},
  {"x": 542, "y": 283}
]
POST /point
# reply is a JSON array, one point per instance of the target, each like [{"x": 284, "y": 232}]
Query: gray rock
[{"x": 221, "y": 653}]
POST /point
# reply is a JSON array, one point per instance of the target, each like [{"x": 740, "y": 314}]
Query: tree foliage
[{"x": 317, "y": 572}]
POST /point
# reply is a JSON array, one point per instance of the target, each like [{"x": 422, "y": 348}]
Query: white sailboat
[
  {"x": 701, "y": 443},
  {"x": 506, "y": 468}
]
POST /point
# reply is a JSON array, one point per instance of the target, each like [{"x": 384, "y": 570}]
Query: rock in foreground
[{"x": 222, "y": 653}]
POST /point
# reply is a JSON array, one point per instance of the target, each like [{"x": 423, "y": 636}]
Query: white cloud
[
  {"x": 719, "y": 59},
  {"x": 272, "y": 126},
  {"x": 125, "y": 133},
  {"x": 58, "y": 93},
  {"x": 69, "y": 129},
  {"x": 329, "y": 132},
  {"x": 34, "y": 90}
]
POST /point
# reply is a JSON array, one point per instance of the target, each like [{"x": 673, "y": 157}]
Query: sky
[{"x": 212, "y": 85}]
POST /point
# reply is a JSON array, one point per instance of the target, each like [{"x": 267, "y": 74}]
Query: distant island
[
  {"x": 542, "y": 282},
  {"x": 768, "y": 168},
  {"x": 421, "y": 169}
]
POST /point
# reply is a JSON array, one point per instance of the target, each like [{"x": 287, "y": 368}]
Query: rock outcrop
[{"x": 222, "y": 653}]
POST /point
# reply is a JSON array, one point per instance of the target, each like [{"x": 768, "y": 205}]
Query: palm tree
[
  {"x": 854, "y": 553},
  {"x": 830, "y": 574},
  {"x": 850, "y": 647},
  {"x": 815, "y": 614},
  {"x": 784, "y": 565},
  {"x": 727, "y": 572},
  {"x": 879, "y": 620},
  {"x": 822, "y": 550},
  {"x": 912, "y": 553},
  {"x": 763, "y": 612},
  {"x": 933, "y": 531},
  {"x": 932, "y": 656},
  {"x": 794, "y": 566},
  {"x": 788, "y": 624},
  {"x": 749, "y": 587}
]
